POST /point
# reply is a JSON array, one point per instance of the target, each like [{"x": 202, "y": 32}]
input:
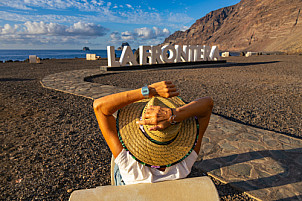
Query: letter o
[{"x": 172, "y": 52}]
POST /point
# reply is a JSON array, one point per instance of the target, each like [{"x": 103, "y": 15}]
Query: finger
[
  {"x": 141, "y": 122},
  {"x": 176, "y": 93},
  {"x": 146, "y": 122},
  {"x": 171, "y": 94},
  {"x": 147, "y": 116},
  {"x": 153, "y": 128},
  {"x": 167, "y": 82},
  {"x": 172, "y": 89},
  {"x": 170, "y": 85},
  {"x": 156, "y": 128}
]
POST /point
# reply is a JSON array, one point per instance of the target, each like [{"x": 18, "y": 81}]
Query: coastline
[
  {"x": 23, "y": 55},
  {"x": 51, "y": 144}
]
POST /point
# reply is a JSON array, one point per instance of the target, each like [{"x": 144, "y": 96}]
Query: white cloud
[
  {"x": 41, "y": 28},
  {"x": 71, "y": 20},
  {"x": 83, "y": 5},
  {"x": 129, "y": 6},
  {"x": 104, "y": 17},
  {"x": 179, "y": 17},
  {"x": 17, "y": 4},
  {"x": 77, "y": 29},
  {"x": 98, "y": 3},
  {"x": 8, "y": 16},
  {"x": 155, "y": 32},
  {"x": 87, "y": 29},
  {"x": 8, "y": 29},
  {"x": 144, "y": 35},
  {"x": 184, "y": 28},
  {"x": 161, "y": 33},
  {"x": 127, "y": 35},
  {"x": 115, "y": 36},
  {"x": 138, "y": 16},
  {"x": 41, "y": 32},
  {"x": 100, "y": 11}
]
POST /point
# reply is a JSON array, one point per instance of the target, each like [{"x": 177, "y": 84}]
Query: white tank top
[{"x": 133, "y": 172}]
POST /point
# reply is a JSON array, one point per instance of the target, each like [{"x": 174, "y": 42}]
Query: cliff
[{"x": 250, "y": 25}]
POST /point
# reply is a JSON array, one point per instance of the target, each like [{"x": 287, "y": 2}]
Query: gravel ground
[
  {"x": 50, "y": 143},
  {"x": 261, "y": 91}
]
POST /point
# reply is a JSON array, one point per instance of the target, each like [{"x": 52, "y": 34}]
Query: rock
[
  {"x": 241, "y": 169},
  {"x": 249, "y": 25},
  {"x": 123, "y": 44}
]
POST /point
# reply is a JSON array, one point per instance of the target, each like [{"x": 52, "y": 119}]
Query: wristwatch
[{"x": 145, "y": 91}]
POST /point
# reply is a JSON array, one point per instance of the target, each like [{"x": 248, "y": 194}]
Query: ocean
[{"x": 21, "y": 55}]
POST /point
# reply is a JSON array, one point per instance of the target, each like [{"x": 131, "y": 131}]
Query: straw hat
[{"x": 156, "y": 148}]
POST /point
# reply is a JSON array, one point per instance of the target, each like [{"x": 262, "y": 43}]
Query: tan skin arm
[{"x": 106, "y": 106}]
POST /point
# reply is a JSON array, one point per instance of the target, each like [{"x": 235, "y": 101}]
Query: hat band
[{"x": 141, "y": 128}]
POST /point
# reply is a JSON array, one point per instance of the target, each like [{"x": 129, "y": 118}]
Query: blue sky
[{"x": 73, "y": 24}]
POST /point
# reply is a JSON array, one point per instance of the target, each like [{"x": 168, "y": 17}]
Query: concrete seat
[{"x": 198, "y": 188}]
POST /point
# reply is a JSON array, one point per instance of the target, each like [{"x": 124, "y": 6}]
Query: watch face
[{"x": 145, "y": 92}]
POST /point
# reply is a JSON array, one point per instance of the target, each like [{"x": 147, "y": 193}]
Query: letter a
[{"x": 127, "y": 57}]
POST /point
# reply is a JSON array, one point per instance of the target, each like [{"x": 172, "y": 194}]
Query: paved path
[{"x": 265, "y": 164}]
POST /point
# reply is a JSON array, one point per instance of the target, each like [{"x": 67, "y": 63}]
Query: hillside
[{"x": 254, "y": 25}]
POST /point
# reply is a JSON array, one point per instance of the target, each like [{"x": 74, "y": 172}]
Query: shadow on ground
[{"x": 289, "y": 170}]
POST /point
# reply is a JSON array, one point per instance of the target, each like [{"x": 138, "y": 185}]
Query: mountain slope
[{"x": 255, "y": 25}]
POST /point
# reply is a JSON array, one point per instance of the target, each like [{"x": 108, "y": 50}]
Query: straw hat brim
[{"x": 148, "y": 152}]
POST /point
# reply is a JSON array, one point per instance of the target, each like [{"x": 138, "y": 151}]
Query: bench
[{"x": 198, "y": 188}]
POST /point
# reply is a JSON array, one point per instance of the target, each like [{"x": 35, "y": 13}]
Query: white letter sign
[
  {"x": 166, "y": 54},
  {"x": 127, "y": 57},
  {"x": 143, "y": 54},
  {"x": 111, "y": 57}
]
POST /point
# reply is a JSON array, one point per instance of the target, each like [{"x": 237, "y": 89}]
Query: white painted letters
[
  {"x": 168, "y": 57},
  {"x": 127, "y": 57},
  {"x": 155, "y": 55},
  {"x": 143, "y": 54},
  {"x": 181, "y": 53},
  {"x": 166, "y": 54},
  {"x": 206, "y": 53},
  {"x": 214, "y": 54},
  {"x": 111, "y": 57}
]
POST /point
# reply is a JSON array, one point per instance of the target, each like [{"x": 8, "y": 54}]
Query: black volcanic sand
[
  {"x": 51, "y": 143},
  {"x": 262, "y": 91}
]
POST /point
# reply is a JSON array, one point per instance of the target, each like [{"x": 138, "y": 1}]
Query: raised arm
[
  {"x": 105, "y": 107},
  {"x": 200, "y": 108}
]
